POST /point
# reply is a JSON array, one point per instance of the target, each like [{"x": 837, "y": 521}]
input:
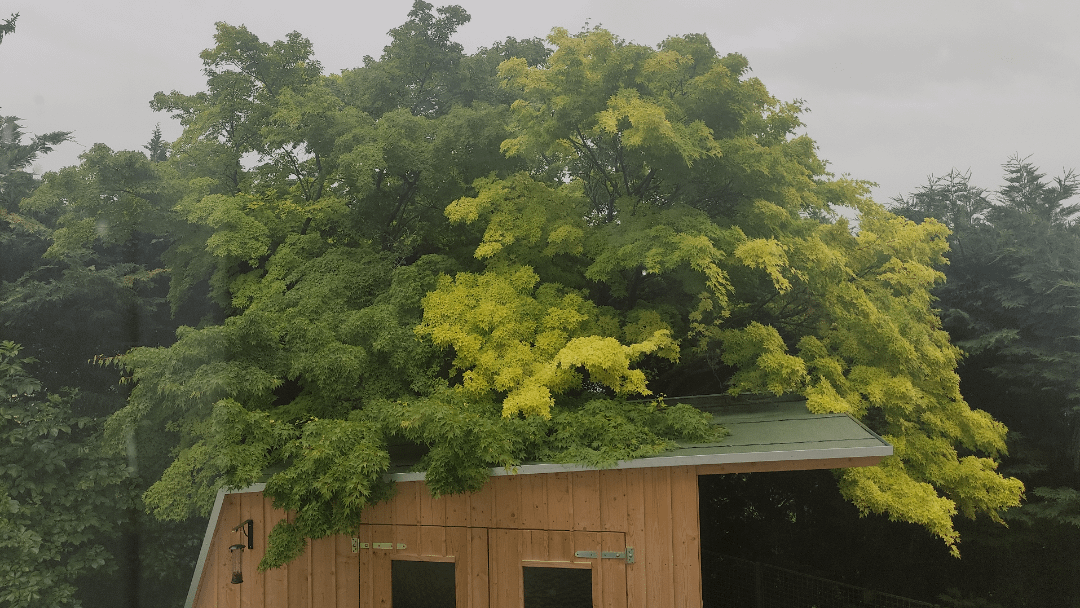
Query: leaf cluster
[{"x": 100, "y": 290}]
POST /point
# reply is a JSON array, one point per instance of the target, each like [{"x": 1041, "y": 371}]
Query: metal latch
[
  {"x": 628, "y": 554},
  {"x": 357, "y": 545}
]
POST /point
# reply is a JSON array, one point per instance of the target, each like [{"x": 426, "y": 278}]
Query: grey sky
[{"x": 897, "y": 90}]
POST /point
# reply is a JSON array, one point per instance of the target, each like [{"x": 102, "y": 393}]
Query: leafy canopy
[{"x": 488, "y": 255}]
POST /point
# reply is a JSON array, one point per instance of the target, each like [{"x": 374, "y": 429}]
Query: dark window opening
[
  {"x": 558, "y": 587},
  {"x": 422, "y": 584}
]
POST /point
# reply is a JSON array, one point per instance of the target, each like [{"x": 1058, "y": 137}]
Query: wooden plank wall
[
  {"x": 656, "y": 508},
  {"x": 326, "y": 576}
]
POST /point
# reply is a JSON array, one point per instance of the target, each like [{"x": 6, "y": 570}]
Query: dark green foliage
[
  {"x": 334, "y": 471},
  {"x": 82, "y": 278},
  {"x": 16, "y": 159},
  {"x": 157, "y": 147},
  {"x": 100, "y": 287},
  {"x": 419, "y": 70},
  {"x": 8, "y": 26},
  {"x": 1010, "y": 302},
  {"x": 1061, "y": 505},
  {"x": 61, "y": 497},
  {"x": 463, "y": 439},
  {"x": 604, "y": 431},
  {"x": 1011, "y": 255}
]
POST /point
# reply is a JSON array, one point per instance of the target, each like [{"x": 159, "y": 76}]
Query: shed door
[
  {"x": 543, "y": 568},
  {"x": 423, "y": 566}
]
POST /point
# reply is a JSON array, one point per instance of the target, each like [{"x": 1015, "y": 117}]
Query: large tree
[
  {"x": 412, "y": 253},
  {"x": 695, "y": 204}
]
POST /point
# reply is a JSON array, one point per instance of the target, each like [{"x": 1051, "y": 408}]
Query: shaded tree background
[
  {"x": 60, "y": 309},
  {"x": 65, "y": 310}
]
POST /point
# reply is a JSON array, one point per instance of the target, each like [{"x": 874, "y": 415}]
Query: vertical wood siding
[
  {"x": 325, "y": 576},
  {"x": 653, "y": 510}
]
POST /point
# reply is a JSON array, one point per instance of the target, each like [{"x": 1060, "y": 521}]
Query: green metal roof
[{"x": 760, "y": 430}]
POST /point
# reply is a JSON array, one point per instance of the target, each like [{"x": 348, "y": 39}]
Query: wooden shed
[{"x": 545, "y": 535}]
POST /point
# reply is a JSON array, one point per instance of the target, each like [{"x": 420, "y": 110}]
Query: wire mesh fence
[{"x": 731, "y": 582}]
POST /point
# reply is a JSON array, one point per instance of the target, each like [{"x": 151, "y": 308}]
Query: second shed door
[
  {"x": 543, "y": 568},
  {"x": 422, "y": 566}
]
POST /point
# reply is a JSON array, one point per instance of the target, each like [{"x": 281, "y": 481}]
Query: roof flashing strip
[{"x": 675, "y": 460}]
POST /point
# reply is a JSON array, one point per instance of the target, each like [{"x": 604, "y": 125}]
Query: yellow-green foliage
[
  {"x": 523, "y": 216},
  {"x": 868, "y": 343},
  {"x": 768, "y": 254},
  {"x": 758, "y": 353},
  {"x": 792, "y": 298},
  {"x": 602, "y": 431},
  {"x": 528, "y": 343}
]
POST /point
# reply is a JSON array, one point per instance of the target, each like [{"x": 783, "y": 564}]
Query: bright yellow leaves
[
  {"x": 630, "y": 203},
  {"x": 608, "y": 361},
  {"x": 591, "y": 89},
  {"x": 527, "y": 343},
  {"x": 889, "y": 488}
]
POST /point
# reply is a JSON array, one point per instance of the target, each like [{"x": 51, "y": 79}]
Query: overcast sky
[{"x": 897, "y": 90}]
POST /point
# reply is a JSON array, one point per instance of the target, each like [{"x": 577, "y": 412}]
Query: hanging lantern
[{"x": 236, "y": 552}]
